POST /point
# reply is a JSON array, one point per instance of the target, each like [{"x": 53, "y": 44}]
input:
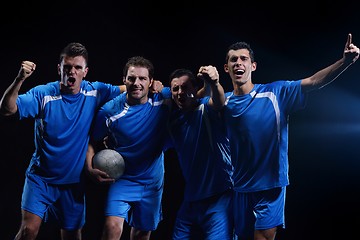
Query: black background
[{"x": 291, "y": 41}]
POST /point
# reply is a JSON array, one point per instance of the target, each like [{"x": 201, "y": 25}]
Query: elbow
[{"x": 5, "y": 111}]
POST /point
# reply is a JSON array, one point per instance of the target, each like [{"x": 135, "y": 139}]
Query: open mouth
[
  {"x": 71, "y": 81},
  {"x": 239, "y": 72},
  {"x": 182, "y": 100}
]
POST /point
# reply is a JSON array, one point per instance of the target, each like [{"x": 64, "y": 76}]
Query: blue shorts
[
  {"x": 259, "y": 211},
  {"x": 62, "y": 203},
  {"x": 211, "y": 218},
  {"x": 138, "y": 204}
]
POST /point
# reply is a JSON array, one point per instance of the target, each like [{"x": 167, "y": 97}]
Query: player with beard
[{"x": 134, "y": 124}]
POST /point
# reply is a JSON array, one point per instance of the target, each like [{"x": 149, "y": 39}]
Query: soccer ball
[{"x": 109, "y": 161}]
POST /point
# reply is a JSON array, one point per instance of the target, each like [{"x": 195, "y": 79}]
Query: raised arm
[
  {"x": 210, "y": 76},
  {"x": 330, "y": 73},
  {"x": 8, "y": 101}
]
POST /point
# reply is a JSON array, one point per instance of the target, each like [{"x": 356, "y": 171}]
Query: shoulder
[
  {"x": 281, "y": 84},
  {"x": 228, "y": 95},
  {"x": 275, "y": 86},
  {"x": 105, "y": 91},
  {"x": 96, "y": 85},
  {"x": 50, "y": 88},
  {"x": 116, "y": 100}
]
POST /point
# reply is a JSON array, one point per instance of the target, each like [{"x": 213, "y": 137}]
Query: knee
[
  {"x": 138, "y": 234},
  {"x": 113, "y": 228},
  {"x": 27, "y": 232}
]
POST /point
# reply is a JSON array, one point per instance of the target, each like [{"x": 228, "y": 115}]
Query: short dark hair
[
  {"x": 241, "y": 45},
  {"x": 74, "y": 49},
  {"x": 139, "y": 61},
  {"x": 185, "y": 72}
]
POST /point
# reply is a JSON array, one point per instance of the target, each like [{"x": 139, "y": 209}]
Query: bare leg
[
  {"x": 136, "y": 234},
  {"x": 30, "y": 225},
  {"x": 113, "y": 228},
  {"x": 267, "y": 234}
]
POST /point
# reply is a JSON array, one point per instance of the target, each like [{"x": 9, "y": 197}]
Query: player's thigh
[
  {"x": 219, "y": 221},
  {"x": 37, "y": 196},
  {"x": 147, "y": 212},
  {"x": 70, "y": 208}
]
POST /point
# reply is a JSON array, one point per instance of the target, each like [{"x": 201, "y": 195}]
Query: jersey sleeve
[
  {"x": 107, "y": 92},
  {"x": 29, "y": 104}
]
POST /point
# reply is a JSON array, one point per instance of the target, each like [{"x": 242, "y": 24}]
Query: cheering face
[
  {"x": 183, "y": 92},
  {"x": 72, "y": 70},
  {"x": 137, "y": 83},
  {"x": 239, "y": 66}
]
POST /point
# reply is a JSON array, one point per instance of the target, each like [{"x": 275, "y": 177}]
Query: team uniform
[
  {"x": 54, "y": 179},
  {"x": 203, "y": 151},
  {"x": 138, "y": 133},
  {"x": 257, "y": 127}
]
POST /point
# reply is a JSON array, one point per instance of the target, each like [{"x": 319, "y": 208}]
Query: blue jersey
[
  {"x": 138, "y": 133},
  {"x": 62, "y": 124},
  {"x": 203, "y": 151},
  {"x": 257, "y": 126}
]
